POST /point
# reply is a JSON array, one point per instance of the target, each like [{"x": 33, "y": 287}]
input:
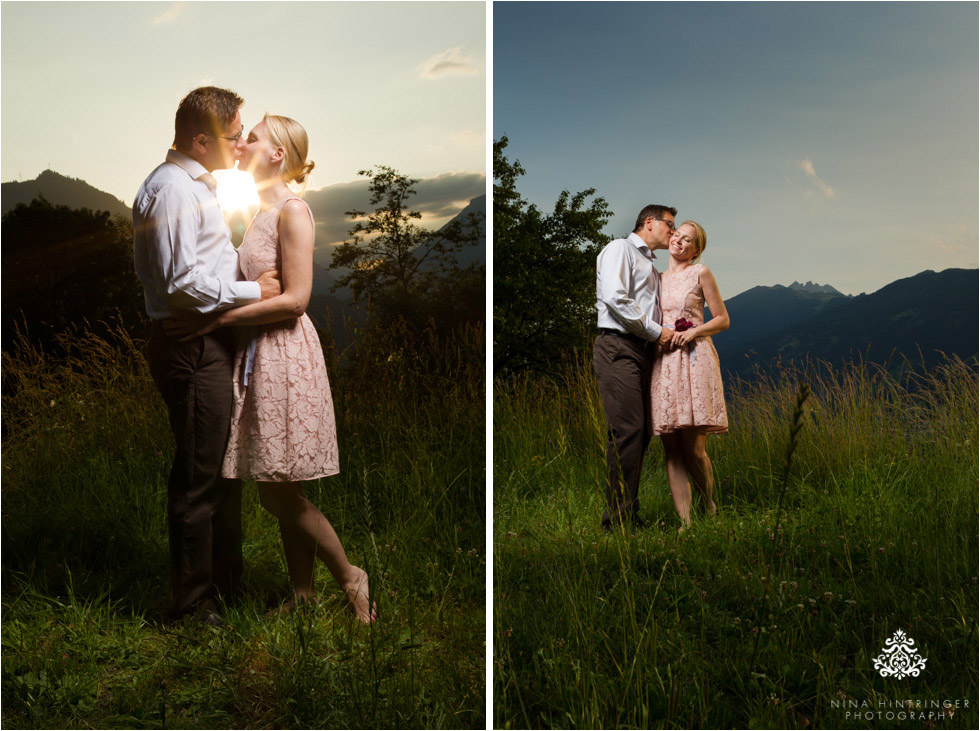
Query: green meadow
[
  {"x": 769, "y": 615},
  {"x": 86, "y": 455}
]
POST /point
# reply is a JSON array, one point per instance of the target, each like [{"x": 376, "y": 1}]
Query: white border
[{"x": 488, "y": 458}]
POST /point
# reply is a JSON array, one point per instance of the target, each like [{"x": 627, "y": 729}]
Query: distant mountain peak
[
  {"x": 814, "y": 288},
  {"x": 60, "y": 190}
]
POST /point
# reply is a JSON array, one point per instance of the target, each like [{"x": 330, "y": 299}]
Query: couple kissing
[{"x": 235, "y": 357}]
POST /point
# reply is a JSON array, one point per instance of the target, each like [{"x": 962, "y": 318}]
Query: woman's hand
[
  {"x": 682, "y": 338},
  {"x": 187, "y": 324}
]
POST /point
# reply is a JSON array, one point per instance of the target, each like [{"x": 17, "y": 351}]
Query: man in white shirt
[
  {"x": 628, "y": 300},
  {"x": 186, "y": 261}
]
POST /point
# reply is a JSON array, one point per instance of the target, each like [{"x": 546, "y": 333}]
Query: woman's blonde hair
[
  {"x": 700, "y": 238},
  {"x": 290, "y": 136}
]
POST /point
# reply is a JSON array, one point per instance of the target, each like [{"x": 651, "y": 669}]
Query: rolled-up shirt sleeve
[
  {"x": 171, "y": 220},
  {"x": 613, "y": 291}
]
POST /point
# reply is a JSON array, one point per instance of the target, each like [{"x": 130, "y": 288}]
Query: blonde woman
[
  {"x": 282, "y": 428},
  {"x": 687, "y": 397}
]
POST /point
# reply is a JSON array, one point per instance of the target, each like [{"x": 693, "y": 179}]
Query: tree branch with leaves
[
  {"x": 388, "y": 253},
  {"x": 544, "y": 271}
]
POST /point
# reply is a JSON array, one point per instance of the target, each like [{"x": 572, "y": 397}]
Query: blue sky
[{"x": 833, "y": 142}]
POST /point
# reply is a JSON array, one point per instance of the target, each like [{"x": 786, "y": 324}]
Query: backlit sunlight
[{"x": 236, "y": 190}]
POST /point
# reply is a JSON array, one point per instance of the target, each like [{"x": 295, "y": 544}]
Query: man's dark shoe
[
  {"x": 213, "y": 619},
  {"x": 639, "y": 523},
  {"x": 205, "y": 612}
]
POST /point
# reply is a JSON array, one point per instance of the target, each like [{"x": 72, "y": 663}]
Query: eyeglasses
[
  {"x": 231, "y": 139},
  {"x": 670, "y": 224}
]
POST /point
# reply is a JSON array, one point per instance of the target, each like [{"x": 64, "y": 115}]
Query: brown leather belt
[{"x": 636, "y": 339}]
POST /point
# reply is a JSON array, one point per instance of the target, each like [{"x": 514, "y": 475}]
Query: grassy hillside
[
  {"x": 85, "y": 565},
  {"x": 878, "y": 533}
]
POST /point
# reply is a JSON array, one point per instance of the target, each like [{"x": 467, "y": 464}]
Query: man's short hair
[
  {"x": 207, "y": 109},
  {"x": 652, "y": 211}
]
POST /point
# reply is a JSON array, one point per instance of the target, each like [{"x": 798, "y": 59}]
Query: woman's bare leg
[
  {"x": 307, "y": 534},
  {"x": 300, "y": 561},
  {"x": 699, "y": 467},
  {"x": 680, "y": 486}
]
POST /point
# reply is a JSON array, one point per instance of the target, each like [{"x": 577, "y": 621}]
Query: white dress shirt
[
  {"x": 628, "y": 288},
  {"x": 182, "y": 249}
]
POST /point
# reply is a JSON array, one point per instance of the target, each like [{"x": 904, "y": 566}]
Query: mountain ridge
[
  {"x": 813, "y": 288},
  {"x": 60, "y": 190},
  {"x": 885, "y": 326},
  {"x": 770, "y": 308}
]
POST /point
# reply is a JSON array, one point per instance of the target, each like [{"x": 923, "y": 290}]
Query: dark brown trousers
[
  {"x": 204, "y": 511},
  {"x": 622, "y": 367}
]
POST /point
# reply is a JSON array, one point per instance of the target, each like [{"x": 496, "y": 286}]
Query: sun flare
[{"x": 236, "y": 190}]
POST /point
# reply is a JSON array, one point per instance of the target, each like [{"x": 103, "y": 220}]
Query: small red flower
[{"x": 681, "y": 324}]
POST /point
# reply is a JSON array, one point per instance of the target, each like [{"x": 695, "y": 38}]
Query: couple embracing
[
  {"x": 235, "y": 357},
  {"x": 657, "y": 369}
]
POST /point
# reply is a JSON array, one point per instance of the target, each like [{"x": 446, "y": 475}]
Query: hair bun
[{"x": 306, "y": 170}]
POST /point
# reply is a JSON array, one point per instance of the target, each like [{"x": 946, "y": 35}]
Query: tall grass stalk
[{"x": 794, "y": 430}]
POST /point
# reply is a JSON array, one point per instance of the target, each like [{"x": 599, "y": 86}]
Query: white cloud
[
  {"x": 953, "y": 241},
  {"x": 450, "y": 62},
  {"x": 807, "y": 167},
  {"x": 170, "y": 14},
  {"x": 469, "y": 137}
]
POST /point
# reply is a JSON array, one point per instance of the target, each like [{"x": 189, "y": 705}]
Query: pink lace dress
[
  {"x": 282, "y": 424},
  {"x": 685, "y": 387}
]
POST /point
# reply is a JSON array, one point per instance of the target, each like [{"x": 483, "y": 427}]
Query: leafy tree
[
  {"x": 63, "y": 266},
  {"x": 544, "y": 272},
  {"x": 391, "y": 259}
]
